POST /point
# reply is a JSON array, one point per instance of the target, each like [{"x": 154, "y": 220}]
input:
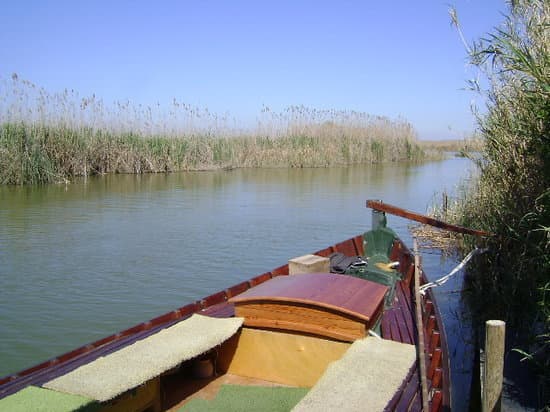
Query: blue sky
[{"x": 389, "y": 58}]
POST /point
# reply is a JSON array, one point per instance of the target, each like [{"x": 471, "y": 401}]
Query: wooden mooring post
[{"x": 494, "y": 365}]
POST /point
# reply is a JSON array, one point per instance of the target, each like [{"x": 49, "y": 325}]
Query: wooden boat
[{"x": 294, "y": 337}]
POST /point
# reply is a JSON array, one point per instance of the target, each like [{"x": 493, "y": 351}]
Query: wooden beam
[{"x": 427, "y": 220}]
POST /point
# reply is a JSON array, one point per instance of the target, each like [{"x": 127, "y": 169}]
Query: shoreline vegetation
[
  {"x": 509, "y": 195},
  {"x": 52, "y": 138}
]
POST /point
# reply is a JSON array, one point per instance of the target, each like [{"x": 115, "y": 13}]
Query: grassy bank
[
  {"x": 55, "y": 137},
  {"x": 511, "y": 196}
]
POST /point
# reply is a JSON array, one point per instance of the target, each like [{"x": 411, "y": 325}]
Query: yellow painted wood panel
[
  {"x": 144, "y": 397},
  {"x": 286, "y": 358}
]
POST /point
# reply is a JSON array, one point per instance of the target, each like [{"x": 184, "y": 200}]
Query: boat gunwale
[
  {"x": 445, "y": 386},
  {"x": 445, "y": 358}
]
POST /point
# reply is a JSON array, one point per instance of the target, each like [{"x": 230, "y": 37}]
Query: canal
[{"x": 84, "y": 260}]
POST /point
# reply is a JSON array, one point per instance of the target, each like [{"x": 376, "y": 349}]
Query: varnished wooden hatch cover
[{"x": 336, "y": 306}]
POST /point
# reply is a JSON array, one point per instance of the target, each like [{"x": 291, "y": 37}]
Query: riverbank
[
  {"x": 35, "y": 153},
  {"x": 32, "y": 154},
  {"x": 510, "y": 194}
]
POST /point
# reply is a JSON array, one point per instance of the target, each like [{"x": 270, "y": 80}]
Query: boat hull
[{"x": 397, "y": 323}]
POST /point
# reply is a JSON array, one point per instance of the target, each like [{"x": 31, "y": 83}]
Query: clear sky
[{"x": 389, "y": 58}]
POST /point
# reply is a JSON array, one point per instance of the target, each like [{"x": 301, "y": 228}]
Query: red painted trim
[
  {"x": 325, "y": 252},
  {"x": 280, "y": 271},
  {"x": 214, "y": 299},
  {"x": 437, "y": 401},
  {"x": 436, "y": 379},
  {"x": 260, "y": 279},
  {"x": 435, "y": 362},
  {"x": 237, "y": 289},
  {"x": 358, "y": 242},
  {"x": 435, "y": 340}
]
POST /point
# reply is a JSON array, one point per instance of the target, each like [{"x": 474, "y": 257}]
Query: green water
[{"x": 84, "y": 260}]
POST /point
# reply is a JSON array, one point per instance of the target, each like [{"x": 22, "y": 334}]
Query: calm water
[{"x": 81, "y": 261}]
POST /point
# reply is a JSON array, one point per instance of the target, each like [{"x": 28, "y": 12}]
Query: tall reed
[
  {"x": 511, "y": 196},
  {"x": 461, "y": 147},
  {"x": 47, "y": 137}
]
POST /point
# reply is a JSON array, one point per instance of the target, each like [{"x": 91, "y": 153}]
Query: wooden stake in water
[{"x": 494, "y": 365}]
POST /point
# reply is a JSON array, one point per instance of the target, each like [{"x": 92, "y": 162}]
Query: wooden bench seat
[
  {"x": 111, "y": 375},
  {"x": 366, "y": 378}
]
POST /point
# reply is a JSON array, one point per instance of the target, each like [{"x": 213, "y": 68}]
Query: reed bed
[
  {"x": 511, "y": 196},
  {"x": 48, "y": 137},
  {"x": 430, "y": 237},
  {"x": 462, "y": 147}
]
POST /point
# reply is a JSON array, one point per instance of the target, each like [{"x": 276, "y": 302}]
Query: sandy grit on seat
[{"x": 131, "y": 366}]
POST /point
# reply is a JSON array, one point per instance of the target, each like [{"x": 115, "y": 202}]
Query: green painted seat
[{"x": 377, "y": 245}]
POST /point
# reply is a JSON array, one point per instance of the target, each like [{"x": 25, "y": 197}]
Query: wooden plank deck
[{"x": 398, "y": 324}]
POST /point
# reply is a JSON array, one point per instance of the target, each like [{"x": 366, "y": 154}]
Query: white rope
[
  {"x": 376, "y": 335},
  {"x": 445, "y": 278}
]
